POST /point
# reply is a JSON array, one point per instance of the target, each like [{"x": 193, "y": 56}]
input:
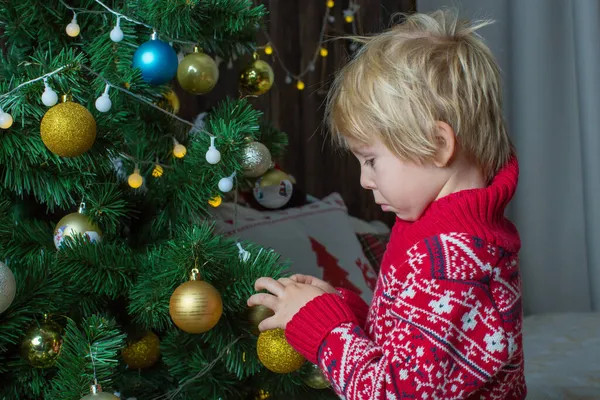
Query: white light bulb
[
  {"x": 213, "y": 156},
  {"x": 73, "y": 28},
  {"x": 103, "y": 103},
  {"x": 116, "y": 35},
  {"x": 49, "y": 97},
  {"x": 226, "y": 184},
  {"x": 6, "y": 120}
]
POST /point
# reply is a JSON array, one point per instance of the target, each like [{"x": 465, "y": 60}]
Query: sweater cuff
[
  {"x": 357, "y": 304},
  {"x": 311, "y": 325}
]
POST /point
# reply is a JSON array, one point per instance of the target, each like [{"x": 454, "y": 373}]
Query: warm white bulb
[
  {"x": 49, "y": 97},
  {"x": 116, "y": 35},
  {"x": 103, "y": 103},
  {"x": 225, "y": 184},
  {"x": 73, "y": 28},
  {"x": 6, "y": 120},
  {"x": 213, "y": 156}
]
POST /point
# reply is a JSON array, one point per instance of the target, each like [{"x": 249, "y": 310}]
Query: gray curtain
[{"x": 549, "y": 52}]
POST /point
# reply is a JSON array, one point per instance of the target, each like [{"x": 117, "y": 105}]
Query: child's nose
[{"x": 366, "y": 181}]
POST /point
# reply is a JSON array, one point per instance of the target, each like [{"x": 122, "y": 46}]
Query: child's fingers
[
  {"x": 302, "y": 278},
  {"x": 285, "y": 281},
  {"x": 268, "y": 324},
  {"x": 269, "y": 284},
  {"x": 263, "y": 299}
]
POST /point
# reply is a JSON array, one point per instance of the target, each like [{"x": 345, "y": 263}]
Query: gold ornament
[
  {"x": 215, "y": 201},
  {"x": 313, "y": 377},
  {"x": 273, "y": 177},
  {"x": 256, "y": 159},
  {"x": 300, "y": 85},
  {"x": 142, "y": 353},
  {"x": 135, "y": 180},
  {"x": 195, "y": 306},
  {"x": 257, "y": 78},
  {"x": 157, "y": 171},
  {"x": 42, "y": 344},
  {"x": 197, "y": 73},
  {"x": 275, "y": 353},
  {"x": 256, "y": 315},
  {"x": 68, "y": 129},
  {"x": 8, "y": 287},
  {"x": 76, "y": 224},
  {"x": 98, "y": 394}
]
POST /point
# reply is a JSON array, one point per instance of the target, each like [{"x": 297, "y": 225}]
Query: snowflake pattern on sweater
[{"x": 445, "y": 324}]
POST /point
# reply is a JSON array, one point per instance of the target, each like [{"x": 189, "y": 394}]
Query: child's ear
[{"x": 446, "y": 144}]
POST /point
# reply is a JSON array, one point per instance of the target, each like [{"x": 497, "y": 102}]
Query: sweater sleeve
[
  {"x": 441, "y": 338},
  {"x": 359, "y": 307}
]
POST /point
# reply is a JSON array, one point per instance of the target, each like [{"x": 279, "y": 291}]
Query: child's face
[{"x": 402, "y": 187}]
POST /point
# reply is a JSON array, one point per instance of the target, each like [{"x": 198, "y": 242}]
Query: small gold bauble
[
  {"x": 76, "y": 224},
  {"x": 157, "y": 171},
  {"x": 42, "y": 344},
  {"x": 256, "y": 159},
  {"x": 195, "y": 306},
  {"x": 215, "y": 201},
  {"x": 256, "y": 315},
  {"x": 68, "y": 129},
  {"x": 197, "y": 73},
  {"x": 257, "y": 78},
  {"x": 313, "y": 377},
  {"x": 275, "y": 353},
  {"x": 142, "y": 353}
]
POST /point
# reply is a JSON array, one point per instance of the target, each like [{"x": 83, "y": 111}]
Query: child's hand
[
  {"x": 287, "y": 298},
  {"x": 311, "y": 280}
]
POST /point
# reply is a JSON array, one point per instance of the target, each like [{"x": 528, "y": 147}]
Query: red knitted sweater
[{"x": 445, "y": 319}]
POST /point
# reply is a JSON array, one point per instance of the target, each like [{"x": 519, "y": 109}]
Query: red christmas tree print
[{"x": 332, "y": 272}]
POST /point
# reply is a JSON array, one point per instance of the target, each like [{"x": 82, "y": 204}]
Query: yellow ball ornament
[
  {"x": 135, "y": 180},
  {"x": 257, "y": 78},
  {"x": 215, "y": 201},
  {"x": 197, "y": 73},
  {"x": 76, "y": 224},
  {"x": 179, "y": 150},
  {"x": 42, "y": 344},
  {"x": 142, "y": 353},
  {"x": 300, "y": 85},
  {"x": 275, "y": 353},
  {"x": 68, "y": 129},
  {"x": 256, "y": 315},
  {"x": 195, "y": 306},
  {"x": 158, "y": 171}
]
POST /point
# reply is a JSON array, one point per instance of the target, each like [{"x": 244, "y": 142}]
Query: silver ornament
[
  {"x": 8, "y": 287},
  {"x": 257, "y": 160}
]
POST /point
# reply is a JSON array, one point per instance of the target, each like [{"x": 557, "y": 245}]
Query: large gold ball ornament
[
  {"x": 257, "y": 78},
  {"x": 142, "y": 353},
  {"x": 256, "y": 315},
  {"x": 275, "y": 353},
  {"x": 197, "y": 73},
  {"x": 76, "y": 224},
  {"x": 195, "y": 306},
  {"x": 68, "y": 129},
  {"x": 42, "y": 344},
  {"x": 256, "y": 159},
  {"x": 313, "y": 377},
  {"x": 8, "y": 287}
]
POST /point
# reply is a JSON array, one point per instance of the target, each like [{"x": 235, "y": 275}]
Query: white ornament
[
  {"x": 213, "y": 156},
  {"x": 6, "y": 120},
  {"x": 116, "y": 35},
  {"x": 49, "y": 97},
  {"x": 226, "y": 184},
  {"x": 103, "y": 103},
  {"x": 274, "y": 196},
  {"x": 73, "y": 28}
]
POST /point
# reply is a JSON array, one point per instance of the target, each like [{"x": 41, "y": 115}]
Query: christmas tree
[{"x": 112, "y": 280}]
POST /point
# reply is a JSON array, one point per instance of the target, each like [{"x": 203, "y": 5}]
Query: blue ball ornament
[{"x": 157, "y": 61}]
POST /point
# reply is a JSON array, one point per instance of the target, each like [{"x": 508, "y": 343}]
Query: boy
[{"x": 420, "y": 108}]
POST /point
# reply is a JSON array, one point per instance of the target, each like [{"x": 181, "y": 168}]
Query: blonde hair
[{"x": 431, "y": 67}]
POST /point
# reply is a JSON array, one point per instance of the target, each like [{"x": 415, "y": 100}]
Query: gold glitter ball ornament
[
  {"x": 42, "y": 344},
  {"x": 256, "y": 159},
  {"x": 195, "y": 306},
  {"x": 313, "y": 377},
  {"x": 8, "y": 287},
  {"x": 76, "y": 224},
  {"x": 142, "y": 353},
  {"x": 256, "y": 315},
  {"x": 275, "y": 353},
  {"x": 68, "y": 129},
  {"x": 257, "y": 78},
  {"x": 197, "y": 73}
]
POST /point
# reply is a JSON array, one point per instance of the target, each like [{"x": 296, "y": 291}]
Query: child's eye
[{"x": 370, "y": 162}]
